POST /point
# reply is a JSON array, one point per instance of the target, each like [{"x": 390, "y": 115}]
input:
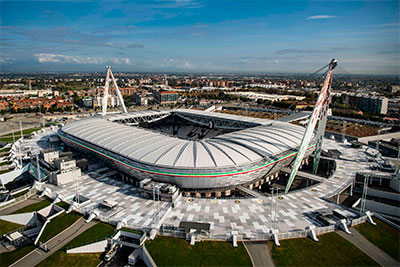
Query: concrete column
[
  {"x": 187, "y": 194},
  {"x": 227, "y": 193},
  {"x": 250, "y": 186},
  {"x": 351, "y": 189},
  {"x": 218, "y": 194},
  {"x": 337, "y": 198},
  {"x": 208, "y": 194},
  {"x": 257, "y": 184},
  {"x": 198, "y": 194}
]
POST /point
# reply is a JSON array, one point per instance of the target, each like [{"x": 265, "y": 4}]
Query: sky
[{"x": 200, "y": 36}]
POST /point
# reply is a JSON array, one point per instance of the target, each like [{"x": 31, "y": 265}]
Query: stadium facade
[{"x": 189, "y": 148}]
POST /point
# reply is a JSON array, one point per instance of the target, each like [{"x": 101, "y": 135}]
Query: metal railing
[{"x": 16, "y": 200}]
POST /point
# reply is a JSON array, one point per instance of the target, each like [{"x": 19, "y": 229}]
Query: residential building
[{"x": 368, "y": 103}]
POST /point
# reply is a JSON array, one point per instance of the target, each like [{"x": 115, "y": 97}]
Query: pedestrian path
[
  {"x": 368, "y": 248},
  {"x": 259, "y": 253}
]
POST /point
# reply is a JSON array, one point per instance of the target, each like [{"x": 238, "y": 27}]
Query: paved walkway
[
  {"x": 32, "y": 200},
  {"x": 368, "y": 248},
  {"x": 54, "y": 244},
  {"x": 259, "y": 253}
]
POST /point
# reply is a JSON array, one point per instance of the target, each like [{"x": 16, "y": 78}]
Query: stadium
[{"x": 195, "y": 150}]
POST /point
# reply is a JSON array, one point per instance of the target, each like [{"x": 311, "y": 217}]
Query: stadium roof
[{"x": 151, "y": 147}]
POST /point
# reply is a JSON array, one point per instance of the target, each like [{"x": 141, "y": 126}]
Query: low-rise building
[
  {"x": 368, "y": 103},
  {"x": 166, "y": 97}
]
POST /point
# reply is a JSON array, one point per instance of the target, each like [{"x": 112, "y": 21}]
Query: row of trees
[{"x": 42, "y": 109}]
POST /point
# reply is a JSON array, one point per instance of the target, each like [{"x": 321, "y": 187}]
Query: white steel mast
[
  {"x": 321, "y": 107},
  {"x": 117, "y": 91}
]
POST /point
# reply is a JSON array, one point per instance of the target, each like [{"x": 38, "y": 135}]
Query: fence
[
  {"x": 323, "y": 230},
  {"x": 16, "y": 200},
  {"x": 360, "y": 220},
  {"x": 294, "y": 234}
]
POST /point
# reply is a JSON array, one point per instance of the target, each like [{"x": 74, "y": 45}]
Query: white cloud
[
  {"x": 322, "y": 17},
  {"x": 6, "y": 59},
  {"x": 123, "y": 60},
  {"x": 172, "y": 62},
  {"x": 58, "y": 58}
]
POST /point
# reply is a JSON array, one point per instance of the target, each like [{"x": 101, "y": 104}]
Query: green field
[
  {"x": 61, "y": 259},
  {"x": 132, "y": 231},
  {"x": 169, "y": 251},
  {"x": 23, "y": 192},
  {"x": 33, "y": 207},
  {"x": 331, "y": 250},
  {"x": 8, "y": 138},
  {"x": 4, "y": 171},
  {"x": 58, "y": 224},
  {"x": 383, "y": 236},
  {"x": 7, "y": 258},
  {"x": 6, "y": 227},
  {"x": 63, "y": 205},
  {"x": 97, "y": 232}
]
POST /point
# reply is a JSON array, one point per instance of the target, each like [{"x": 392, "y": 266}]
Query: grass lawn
[
  {"x": 21, "y": 193},
  {"x": 5, "y": 163},
  {"x": 61, "y": 258},
  {"x": 95, "y": 233},
  {"x": 7, "y": 258},
  {"x": 132, "y": 231},
  {"x": 383, "y": 236},
  {"x": 58, "y": 224},
  {"x": 331, "y": 250},
  {"x": 34, "y": 207},
  {"x": 169, "y": 251},
  {"x": 17, "y": 134},
  {"x": 8, "y": 138},
  {"x": 6, "y": 227},
  {"x": 4, "y": 171},
  {"x": 63, "y": 205},
  {"x": 2, "y": 150}
]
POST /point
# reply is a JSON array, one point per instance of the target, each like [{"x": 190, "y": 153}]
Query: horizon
[{"x": 188, "y": 36}]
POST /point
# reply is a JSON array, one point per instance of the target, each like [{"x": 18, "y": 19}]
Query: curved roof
[{"x": 147, "y": 146}]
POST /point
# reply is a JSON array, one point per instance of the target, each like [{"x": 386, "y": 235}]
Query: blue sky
[{"x": 191, "y": 35}]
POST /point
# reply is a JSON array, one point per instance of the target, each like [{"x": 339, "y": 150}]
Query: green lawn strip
[
  {"x": 58, "y": 224},
  {"x": 23, "y": 192},
  {"x": 331, "y": 250},
  {"x": 4, "y": 171},
  {"x": 62, "y": 258},
  {"x": 95, "y": 233},
  {"x": 33, "y": 207},
  {"x": 17, "y": 134},
  {"x": 383, "y": 236},
  {"x": 7, "y": 258},
  {"x": 5, "y": 163},
  {"x": 169, "y": 251},
  {"x": 6, "y": 227},
  {"x": 132, "y": 231},
  {"x": 63, "y": 205},
  {"x": 3, "y": 150}
]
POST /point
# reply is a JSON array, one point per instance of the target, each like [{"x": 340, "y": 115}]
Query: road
[
  {"x": 368, "y": 248},
  {"x": 32, "y": 200},
  {"x": 54, "y": 244},
  {"x": 259, "y": 253}
]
